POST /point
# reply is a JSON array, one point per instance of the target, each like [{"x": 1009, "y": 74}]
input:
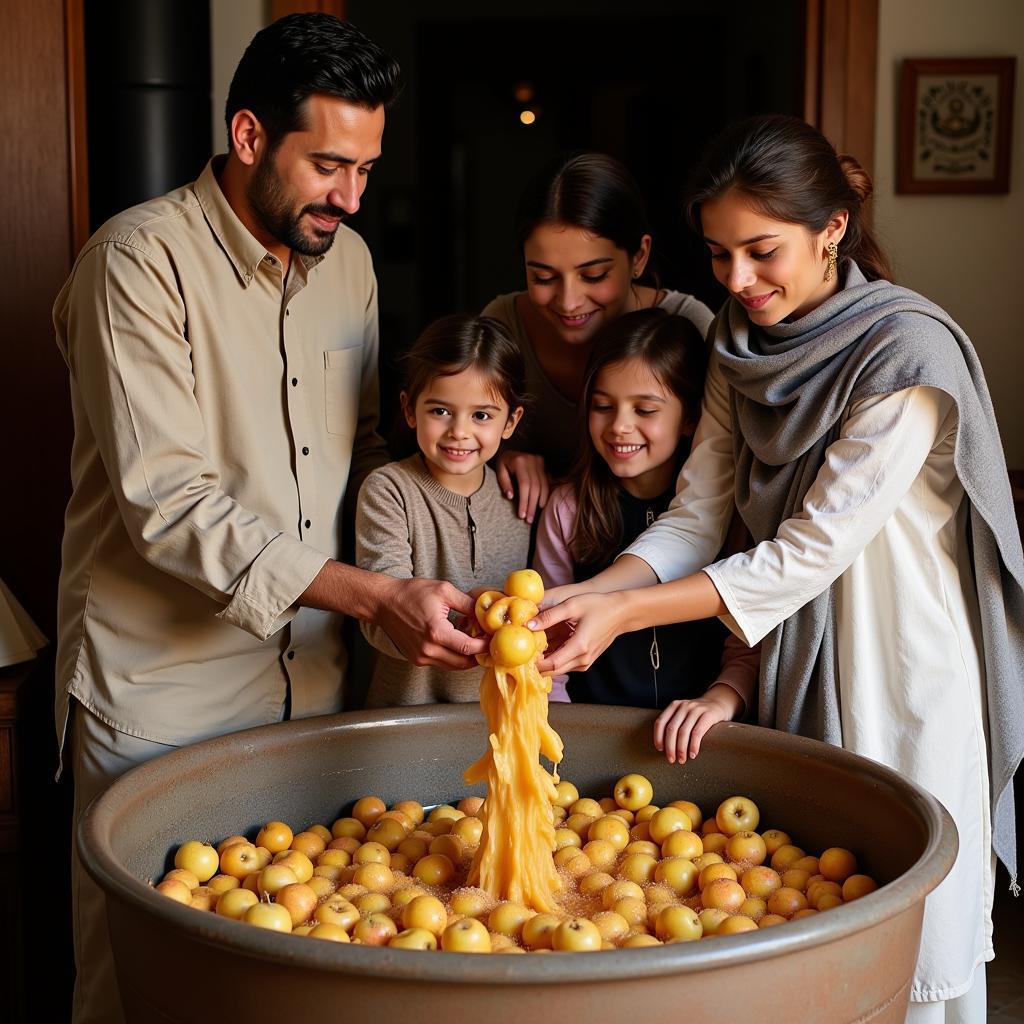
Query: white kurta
[{"x": 886, "y": 518}]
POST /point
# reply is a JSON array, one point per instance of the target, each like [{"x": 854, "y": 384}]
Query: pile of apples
[{"x": 635, "y": 875}]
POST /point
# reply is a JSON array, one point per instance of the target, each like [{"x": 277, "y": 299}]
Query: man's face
[{"x": 315, "y": 177}]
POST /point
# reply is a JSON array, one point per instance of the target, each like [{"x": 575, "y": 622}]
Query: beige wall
[
  {"x": 232, "y": 24},
  {"x": 963, "y": 252}
]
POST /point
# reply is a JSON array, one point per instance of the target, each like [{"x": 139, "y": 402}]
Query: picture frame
[{"x": 955, "y": 125}]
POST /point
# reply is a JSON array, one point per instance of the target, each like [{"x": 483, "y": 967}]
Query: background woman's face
[
  {"x": 578, "y": 281},
  {"x": 776, "y": 269}
]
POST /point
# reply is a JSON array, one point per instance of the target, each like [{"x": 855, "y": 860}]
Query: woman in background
[{"x": 586, "y": 246}]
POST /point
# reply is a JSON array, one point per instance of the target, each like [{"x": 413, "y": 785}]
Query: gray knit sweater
[{"x": 410, "y": 526}]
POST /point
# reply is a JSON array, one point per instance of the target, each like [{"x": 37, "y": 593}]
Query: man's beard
[{"x": 268, "y": 201}]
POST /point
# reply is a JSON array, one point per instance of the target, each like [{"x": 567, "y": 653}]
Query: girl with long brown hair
[{"x": 641, "y": 401}]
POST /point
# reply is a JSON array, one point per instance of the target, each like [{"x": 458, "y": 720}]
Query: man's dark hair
[{"x": 301, "y": 55}]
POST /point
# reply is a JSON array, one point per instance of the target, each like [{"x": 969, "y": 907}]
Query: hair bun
[{"x": 857, "y": 178}]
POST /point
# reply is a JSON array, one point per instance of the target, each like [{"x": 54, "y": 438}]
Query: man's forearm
[{"x": 344, "y": 588}]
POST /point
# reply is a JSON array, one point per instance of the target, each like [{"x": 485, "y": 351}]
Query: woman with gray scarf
[{"x": 850, "y": 420}]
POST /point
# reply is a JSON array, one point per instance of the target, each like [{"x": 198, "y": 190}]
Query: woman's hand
[
  {"x": 531, "y": 481},
  {"x": 679, "y": 729},
  {"x": 594, "y": 621}
]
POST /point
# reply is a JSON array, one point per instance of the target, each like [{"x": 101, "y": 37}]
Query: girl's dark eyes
[
  {"x": 481, "y": 417},
  {"x": 600, "y": 408},
  {"x": 646, "y": 412},
  {"x": 438, "y": 411}
]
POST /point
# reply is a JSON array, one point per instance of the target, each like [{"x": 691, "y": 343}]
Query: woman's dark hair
[
  {"x": 585, "y": 190},
  {"x": 299, "y": 56},
  {"x": 673, "y": 349},
  {"x": 464, "y": 341},
  {"x": 790, "y": 172}
]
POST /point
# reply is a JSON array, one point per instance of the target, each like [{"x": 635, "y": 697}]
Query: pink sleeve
[
  {"x": 552, "y": 559},
  {"x": 740, "y": 668}
]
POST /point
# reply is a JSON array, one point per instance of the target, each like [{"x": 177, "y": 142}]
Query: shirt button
[
  {"x": 295, "y": 382},
  {"x": 308, "y": 524},
  {"x": 305, "y": 451},
  {"x": 291, "y": 655},
  {"x": 287, "y": 312}
]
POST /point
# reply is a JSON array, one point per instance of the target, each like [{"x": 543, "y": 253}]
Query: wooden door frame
[{"x": 840, "y": 71}]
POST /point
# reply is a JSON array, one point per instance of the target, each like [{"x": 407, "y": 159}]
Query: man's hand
[
  {"x": 531, "y": 481},
  {"x": 415, "y": 617}
]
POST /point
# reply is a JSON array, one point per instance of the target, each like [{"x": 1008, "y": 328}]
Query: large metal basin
[{"x": 174, "y": 963}]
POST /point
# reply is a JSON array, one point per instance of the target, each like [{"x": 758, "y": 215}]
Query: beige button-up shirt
[{"x": 220, "y": 410}]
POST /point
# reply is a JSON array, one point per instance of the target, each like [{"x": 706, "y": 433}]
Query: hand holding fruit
[
  {"x": 416, "y": 620},
  {"x": 595, "y": 621}
]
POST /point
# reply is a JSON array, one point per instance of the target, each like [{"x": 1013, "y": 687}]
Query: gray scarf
[{"x": 790, "y": 385}]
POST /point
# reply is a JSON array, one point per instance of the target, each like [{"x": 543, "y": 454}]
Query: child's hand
[
  {"x": 531, "y": 481},
  {"x": 679, "y": 729}
]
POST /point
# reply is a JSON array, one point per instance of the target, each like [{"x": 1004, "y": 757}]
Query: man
[{"x": 222, "y": 346}]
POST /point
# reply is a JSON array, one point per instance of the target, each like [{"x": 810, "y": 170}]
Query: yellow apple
[
  {"x": 678, "y": 924},
  {"x": 633, "y": 791},
  {"x": 275, "y": 877},
  {"x": 299, "y": 900},
  {"x": 201, "y": 859},
  {"x": 183, "y": 875},
  {"x": 667, "y": 821},
  {"x": 337, "y": 910},
  {"x": 235, "y": 903},
  {"x": 577, "y": 935},
  {"x": 375, "y": 930},
  {"x": 466, "y": 936},
  {"x": 737, "y": 814},
  {"x": 837, "y": 864},
  {"x": 566, "y": 794},
  {"x": 512, "y": 646},
  {"x": 425, "y": 913},
  {"x": 508, "y": 919},
  {"x": 176, "y": 890},
  {"x": 368, "y": 809},
  {"x": 538, "y": 931},
  {"x": 331, "y": 932},
  {"x": 856, "y": 886},
  {"x": 269, "y": 915},
  {"x": 309, "y": 843},
  {"x": 348, "y": 828},
  {"x": 414, "y": 938},
  {"x": 434, "y": 869},
  {"x": 275, "y": 836}
]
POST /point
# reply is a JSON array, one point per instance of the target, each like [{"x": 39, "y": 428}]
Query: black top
[{"x": 651, "y": 667}]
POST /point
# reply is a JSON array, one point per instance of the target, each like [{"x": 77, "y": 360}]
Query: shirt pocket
[{"x": 342, "y": 376}]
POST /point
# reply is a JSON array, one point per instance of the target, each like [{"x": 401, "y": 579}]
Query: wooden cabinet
[{"x": 11, "y": 680}]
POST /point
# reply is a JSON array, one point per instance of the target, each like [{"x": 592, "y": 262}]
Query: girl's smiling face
[
  {"x": 774, "y": 268},
  {"x": 460, "y": 421},
  {"x": 579, "y": 281},
  {"x": 636, "y": 425}
]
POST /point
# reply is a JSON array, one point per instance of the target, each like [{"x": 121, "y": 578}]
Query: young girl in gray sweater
[{"x": 440, "y": 513}]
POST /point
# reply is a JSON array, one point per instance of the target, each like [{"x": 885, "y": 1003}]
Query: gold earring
[{"x": 833, "y": 255}]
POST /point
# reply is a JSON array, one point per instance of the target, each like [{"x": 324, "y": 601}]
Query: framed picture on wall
[{"x": 955, "y": 125}]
